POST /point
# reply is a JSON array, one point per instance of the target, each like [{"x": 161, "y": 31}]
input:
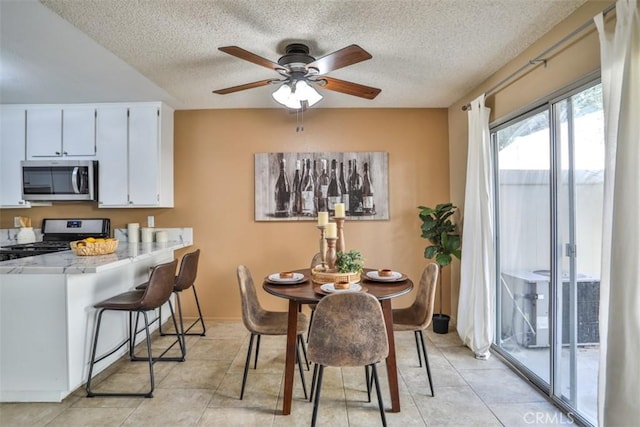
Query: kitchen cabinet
[
  {"x": 61, "y": 132},
  {"x": 12, "y": 151},
  {"x": 135, "y": 150}
]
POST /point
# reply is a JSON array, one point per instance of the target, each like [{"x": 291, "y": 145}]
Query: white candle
[
  {"x": 339, "y": 207},
  {"x": 323, "y": 218},
  {"x": 331, "y": 231}
]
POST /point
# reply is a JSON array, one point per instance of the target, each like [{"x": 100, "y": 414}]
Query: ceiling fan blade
[
  {"x": 243, "y": 87},
  {"x": 350, "y": 88},
  {"x": 239, "y": 52},
  {"x": 340, "y": 58}
]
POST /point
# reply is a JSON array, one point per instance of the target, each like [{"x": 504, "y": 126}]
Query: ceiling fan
[{"x": 300, "y": 71}]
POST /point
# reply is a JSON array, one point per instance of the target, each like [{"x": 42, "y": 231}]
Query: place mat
[
  {"x": 277, "y": 280},
  {"x": 395, "y": 277},
  {"x": 318, "y": 289}
]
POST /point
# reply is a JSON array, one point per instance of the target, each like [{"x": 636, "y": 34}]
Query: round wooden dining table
[{"x": 309, "y": 292}]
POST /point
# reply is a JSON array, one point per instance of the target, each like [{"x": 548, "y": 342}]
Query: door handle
[{"x": 74, "y": 180}]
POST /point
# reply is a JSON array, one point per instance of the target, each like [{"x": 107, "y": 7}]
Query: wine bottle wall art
[{"x": 296, "y": 186}]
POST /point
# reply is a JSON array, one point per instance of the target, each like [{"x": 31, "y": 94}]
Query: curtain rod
[{"x": 540, "y": 58}]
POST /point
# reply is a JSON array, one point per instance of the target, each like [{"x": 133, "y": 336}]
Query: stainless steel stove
[{"x": 57, "y": 233}]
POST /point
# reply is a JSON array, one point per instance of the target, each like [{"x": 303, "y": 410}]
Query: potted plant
[
  {"x": 445, "y": 241},
  {"x": 349, "y": 262}
]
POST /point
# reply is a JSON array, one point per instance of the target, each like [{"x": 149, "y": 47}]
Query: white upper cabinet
[
  {"x": 113, "y": 171},
  {"x": 79, "y": 131},
  {"x": 60, "y": 132},
  {"x": 12, "y": 151},
  {"x": 138, "y": 149},
  {"x": 144, "y": 155}
]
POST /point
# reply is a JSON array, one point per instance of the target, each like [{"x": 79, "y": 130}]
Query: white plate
[
  {"x": 275, "y": 277},
  {"x": 329, "y": 288},
  {"x": 395, "y": 276}
]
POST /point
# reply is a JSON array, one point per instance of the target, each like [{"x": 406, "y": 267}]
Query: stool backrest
[
  {"x": 426, "y": 295},
  {"x": 188, "y": 271},
  {"x": 348, "y": 329},
  {"x": 160, "y": 285},
  {"x": 252, "y": 311}
]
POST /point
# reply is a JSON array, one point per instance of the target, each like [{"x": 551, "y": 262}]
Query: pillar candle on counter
[
  {"x": 146, "y": 234},
  {"x": 133, "y": 232},
  {"x": 323, "y": 218},
  {"x": 339, "y": 207},
  {"x": 331, "y": 231}
]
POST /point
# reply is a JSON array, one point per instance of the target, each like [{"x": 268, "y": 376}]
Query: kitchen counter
[
  {"x": 47, "y": 315},
  {"x": 67, "y": 262}
]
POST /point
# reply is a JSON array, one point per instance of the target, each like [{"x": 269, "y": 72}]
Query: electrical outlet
[
  {"x": 16, "y": 221},
  {"x": 151, "y": 221}
]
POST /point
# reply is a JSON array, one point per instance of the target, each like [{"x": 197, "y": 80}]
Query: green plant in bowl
[{"x": 349, "y": 262}]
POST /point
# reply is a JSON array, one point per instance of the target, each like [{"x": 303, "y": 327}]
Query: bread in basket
[{"x": 91, "y": 246}]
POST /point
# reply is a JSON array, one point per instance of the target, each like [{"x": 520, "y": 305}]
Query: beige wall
[
  {"x": 214, "y": 192},
  {"x": 564, "y": 66}
]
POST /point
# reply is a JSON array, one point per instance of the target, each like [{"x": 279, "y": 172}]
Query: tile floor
[{"x": 204, "y": 390}]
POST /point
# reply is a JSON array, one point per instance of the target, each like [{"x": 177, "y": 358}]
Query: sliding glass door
[{"x": 549, "y": 210}]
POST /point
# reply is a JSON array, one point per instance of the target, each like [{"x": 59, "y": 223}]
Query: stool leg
[
  {"x": 304, "y": 385},
  {"x": 426, "y": 363},
  {"x": 255, "y": 361},
  {"x": 415, "y": 333},
  {"x": 314, "y": 378},
  {"x": 93, "y": 353},
  {"x": 246, "y": 365},
  {"x": 374, "y": 372},
  {"x": 304, "y": 350},
  {"x": 204, "y": 328},
  {"x": 369, "y": 380},
  {"x": 316, "y": 402},
  {"x": 146, "y": 328}
]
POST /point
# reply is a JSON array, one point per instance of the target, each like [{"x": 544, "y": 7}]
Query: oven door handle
[{"x": 74, "y": 180}]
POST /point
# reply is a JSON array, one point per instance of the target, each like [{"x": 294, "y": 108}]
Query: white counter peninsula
[{"x": 47, "y": 317}]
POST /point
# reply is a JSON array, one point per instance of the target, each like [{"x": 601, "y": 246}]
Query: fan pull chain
[{"x": 300, "y": 120}]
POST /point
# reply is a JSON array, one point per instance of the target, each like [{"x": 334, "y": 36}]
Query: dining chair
[
  {"x": 316, "y": 260},
  {"x": 259, "y": 321},
  {"x": 184, "y": 280},
  {"x": 138, "y": 301},
  {"x": 348, "y": 330},
  {"x": 417, "y": 317}
]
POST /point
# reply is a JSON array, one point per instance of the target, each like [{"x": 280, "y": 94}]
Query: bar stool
[
  {"x": 138, "y": 301},
  {"x": 184, "y": 280}
]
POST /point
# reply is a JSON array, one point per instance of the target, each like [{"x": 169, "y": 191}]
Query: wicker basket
[
  {"x": 322, "y": 277},
  {"x": 95, "y": 248}
]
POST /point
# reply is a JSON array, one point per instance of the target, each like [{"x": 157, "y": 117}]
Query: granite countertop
[{"x": 67, "y": 262}]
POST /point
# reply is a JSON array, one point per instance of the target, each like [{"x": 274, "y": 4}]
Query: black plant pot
[{"x": 440, "y": 323}]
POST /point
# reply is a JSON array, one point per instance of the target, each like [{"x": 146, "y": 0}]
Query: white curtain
[
  {"x": 477, "y": 266},
  {"x": 619, "y": 375}
]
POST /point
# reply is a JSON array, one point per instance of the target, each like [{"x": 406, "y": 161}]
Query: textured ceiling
[{"x": 426, "y": 53}]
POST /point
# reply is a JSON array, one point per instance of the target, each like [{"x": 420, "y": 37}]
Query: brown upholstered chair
[
  {"x": 317, "y": 259},
  {"x": 348, "y": 329},
  {"x": 138, "y": 301},
  {"x": 184, "y": 280},
  {"x": 259, "y": 322},
  {"x": 417, "y": 317}
]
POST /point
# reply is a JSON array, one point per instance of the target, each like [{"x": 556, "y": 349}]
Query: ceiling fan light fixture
[
  {"x": 281, "y": 95},
  {"x": 305, "y": 92},
  {"x": 292, "y": 94},
  {"x": 286, "y": 96}
]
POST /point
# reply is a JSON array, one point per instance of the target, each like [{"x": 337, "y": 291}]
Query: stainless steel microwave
[{"x": 59, "y": 180}]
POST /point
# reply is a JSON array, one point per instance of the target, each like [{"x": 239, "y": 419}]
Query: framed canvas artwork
[{"x": 296, "y": 186}]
